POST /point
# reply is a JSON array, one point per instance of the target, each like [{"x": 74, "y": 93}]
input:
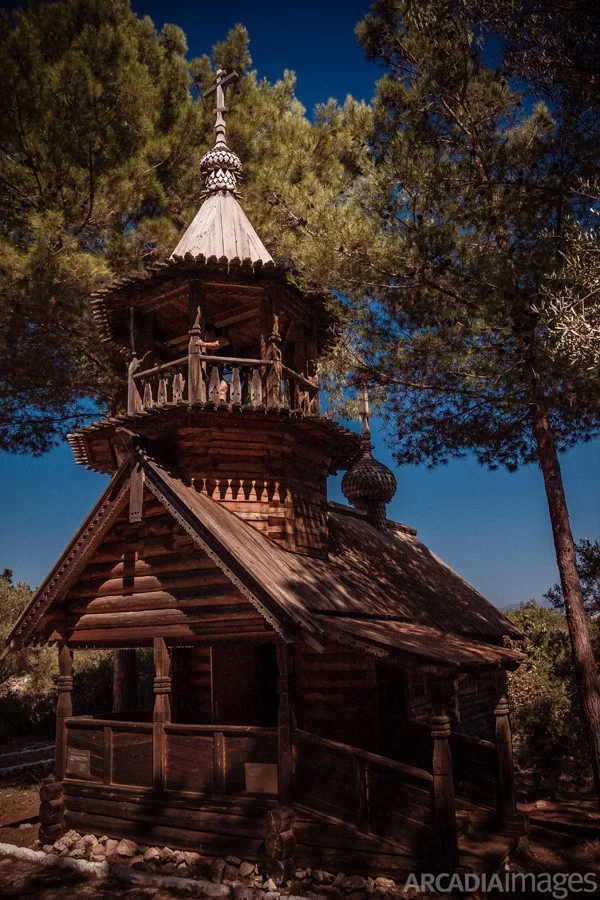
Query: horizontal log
[
  {"x": 183, "y": 561},
  {"x": 154, "y": 833},
  {"x": 234, "y": 804},
  {"x": 184, "y": 634},
  {"x": 173, "y": 542},
  {"x": 254, "y": 730},
  {"x": 188, "y": 819},
  {"x": 162, "y": 616},
  {"x": 211, "y": 598},
  {"x": 132, "y": 583},
  {"x": 85, "y": 723}
]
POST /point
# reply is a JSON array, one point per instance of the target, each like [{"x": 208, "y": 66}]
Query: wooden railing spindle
[{"x": 148, "y": 399}]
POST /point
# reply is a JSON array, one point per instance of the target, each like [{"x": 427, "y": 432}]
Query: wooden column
[
  {"x": 285, "y": 758},
  {"x": 443, "y": 780},
  {"x": 274, "y": 372},
  {"x": 162, "y": 711},
  {"x": 507, "y": 805},
  {"x": 134, "y": 398},
  {"x": 64, "y": 707}
]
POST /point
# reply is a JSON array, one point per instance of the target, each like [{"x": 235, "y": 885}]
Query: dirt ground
[{"x": 564, "y": 837}]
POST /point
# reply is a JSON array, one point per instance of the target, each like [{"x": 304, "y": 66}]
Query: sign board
[
  {"x": 261, "y": 778},
  {"x": 78, "y": 763}
]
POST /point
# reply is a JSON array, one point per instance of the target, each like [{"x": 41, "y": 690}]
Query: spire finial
[
  {"x": 220, "y": 166},
  {"x": 221, "y": 82},
  {"x": 365, "y": 410},
  {"x": 368, "y": 484}
]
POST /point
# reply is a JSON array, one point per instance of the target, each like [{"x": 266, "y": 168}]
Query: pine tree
[
  {"x": 101, "y": 133},
  {"x": 441, "y": 251}
]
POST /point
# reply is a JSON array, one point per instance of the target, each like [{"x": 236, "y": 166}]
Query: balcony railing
[{"x": 221, "y": 381}]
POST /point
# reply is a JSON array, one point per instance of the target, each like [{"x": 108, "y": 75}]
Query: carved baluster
[
  {"x": 236, "y": 387},
  {"x": 443, "y": 779},
  {"x": 274, "y": 371},
  {"x": 196, "y": 386},
  {"x": 134, "y": 401},
  {"x": 178, "y": 386},
  {"x": 256, "y": 393},
  {"x": 148, "y": 399},
  {"x": 504, "y": 753},
  {"x": 162, "y": 710},
  {"x": 161, "y": 394},
  {"x": 64, "y": 708},
  {"x": 214, "y": 385}
]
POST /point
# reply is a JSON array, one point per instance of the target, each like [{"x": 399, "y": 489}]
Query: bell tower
[{"x": 222, "y": 358}]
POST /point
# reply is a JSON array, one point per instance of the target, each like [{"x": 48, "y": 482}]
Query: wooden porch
[{"x": 210, "y": 787}]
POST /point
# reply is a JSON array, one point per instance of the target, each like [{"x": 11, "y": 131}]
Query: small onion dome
[
  {"x": 221, "y": 169},
  {"x": 369, "y": 485}
]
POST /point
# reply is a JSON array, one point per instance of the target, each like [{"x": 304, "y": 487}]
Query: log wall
[
  {"x": 151, "y": 578},
  {"x": 335, "y": 695},
  {"x": 275, "y": 481},
  {"x": 477, "y": 698}
]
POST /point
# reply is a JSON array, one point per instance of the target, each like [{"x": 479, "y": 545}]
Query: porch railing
[
  {"x": 201, "y": 759},
  {"x": 199, "y": 378},
  {"x": 378, "y": 795}
]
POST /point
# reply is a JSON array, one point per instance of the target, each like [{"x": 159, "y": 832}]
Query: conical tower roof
[{"x": 221, "y": 228}]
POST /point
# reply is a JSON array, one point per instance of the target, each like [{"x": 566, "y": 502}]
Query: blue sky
[{"x": 492, "y": 527}]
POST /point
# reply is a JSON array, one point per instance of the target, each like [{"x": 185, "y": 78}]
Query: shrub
[{"x": 548, "y": 726}]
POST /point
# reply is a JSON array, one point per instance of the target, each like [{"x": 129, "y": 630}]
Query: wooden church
[{"x": 316, "y": 666}]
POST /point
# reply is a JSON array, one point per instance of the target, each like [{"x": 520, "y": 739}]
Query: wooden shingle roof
[
  {"x": 382, "y": 591},
  {"x": 221, "y": 229}
]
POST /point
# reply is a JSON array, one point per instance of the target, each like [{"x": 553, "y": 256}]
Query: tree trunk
[
  {"x": 586, "y": 672},
  {"x": 125, "y": 682}
]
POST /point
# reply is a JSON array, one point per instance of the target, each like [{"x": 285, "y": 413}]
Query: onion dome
[{"x": 368, "y": 484}]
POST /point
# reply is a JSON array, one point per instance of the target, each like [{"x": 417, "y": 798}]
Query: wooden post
[
  {"x": 285, "y": 760},
  {"x": 196, "y": 386},
  {"x": 507, "y": 805},
  {"x": 443, "y": 781},
  {"x": 274, "y": 371},
  {"x": 64, "y": 707},
  {"x": 219, "y": 762},
  {"x": 134, "y": 399},
  {"x": 162, "y": 711}
]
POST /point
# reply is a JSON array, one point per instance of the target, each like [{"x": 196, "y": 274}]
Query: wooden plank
[
  {"x": 108, "y": 755},
  {"x": 219, "y": 762},
  {"x": 132, "y": 759}
]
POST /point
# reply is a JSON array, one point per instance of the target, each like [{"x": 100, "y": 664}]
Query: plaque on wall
[{"x": 78, "y": 763}]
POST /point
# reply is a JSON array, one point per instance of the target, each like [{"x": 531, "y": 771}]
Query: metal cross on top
[{"x": 222, "y": 81}]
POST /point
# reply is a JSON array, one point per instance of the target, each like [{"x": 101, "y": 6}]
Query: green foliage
[
  {"x": 37, "y": 663},
  {"x": 442, "y": 244},
  {"x": 101, "y": 139},
  {"x": 548, "y": 725},
  {"x": 92, "y": 683},
  {"x": 588, "y": 566},
  {"x": 27, "y": 717}
]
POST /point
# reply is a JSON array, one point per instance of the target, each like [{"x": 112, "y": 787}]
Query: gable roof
[
  {"x": 382, "y": 591},
  {"x": 74, "y": 557},
  {"x": 221, "y": 229}
]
